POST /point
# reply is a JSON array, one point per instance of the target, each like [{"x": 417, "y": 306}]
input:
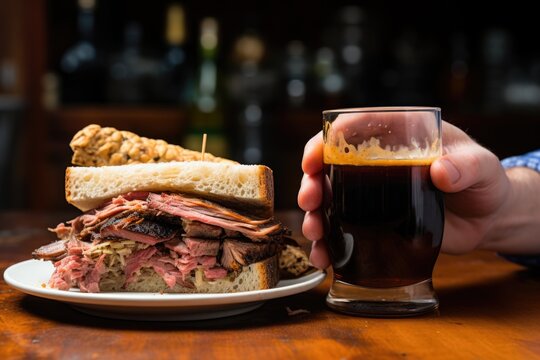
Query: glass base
[{"x": 401, "y": 301}]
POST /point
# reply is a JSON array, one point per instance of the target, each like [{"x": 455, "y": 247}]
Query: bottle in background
[
  {"x": 351, "y": 52},
  {"x": 509, "y": 82},
  {"x": 296, "y": 74},
  {"x": 411, "y": 78},
  {"x": 329, "y": 78},
  {"x": 125, "y": 71},
  {"x": 173, "y": 77},
  {"x": 82, "y": 72},
  {"x": 339, "y": 67},
  {"x": 135, "y": 72},
  {"x": 206, "y": 109},
  {"x": 459, "y": 73},
  {"x": 251, "y": 86}
]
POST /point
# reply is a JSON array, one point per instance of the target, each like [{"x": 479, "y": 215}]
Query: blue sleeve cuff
[{"x": 530, "y": 160}]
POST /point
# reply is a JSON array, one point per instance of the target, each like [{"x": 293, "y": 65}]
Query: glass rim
[{"x": 375, "y": 109}]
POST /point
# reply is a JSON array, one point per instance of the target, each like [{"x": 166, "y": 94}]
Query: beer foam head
[{"x": 371, "y": 152}]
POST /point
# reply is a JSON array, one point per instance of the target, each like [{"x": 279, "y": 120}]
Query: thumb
[{"x": 470, "y": 166}]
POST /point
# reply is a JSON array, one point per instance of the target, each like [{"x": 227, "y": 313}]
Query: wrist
[{"x": 514, "y": 224}]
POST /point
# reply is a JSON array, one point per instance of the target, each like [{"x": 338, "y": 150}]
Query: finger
[
  {"x": 452, "y": 135},
  {"x": 469, "y": 166},
  {"x": 312, "y": 161},
  {"x": 453, "y": 240},
  {"x": 319, "y": 255},
  {"x": 312, "y": 227},
  {"x": 310, "y": 193}
]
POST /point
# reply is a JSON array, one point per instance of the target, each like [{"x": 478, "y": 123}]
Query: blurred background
[{"x": 254, "y": 75}]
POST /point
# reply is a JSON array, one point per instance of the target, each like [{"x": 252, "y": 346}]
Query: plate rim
[{"x": 138, "y": 299}]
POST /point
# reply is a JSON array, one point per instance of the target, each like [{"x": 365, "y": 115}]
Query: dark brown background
[{"x": 35, "y": 33}]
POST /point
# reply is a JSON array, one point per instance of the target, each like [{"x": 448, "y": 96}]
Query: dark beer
[{"x": 384, "y": 224}]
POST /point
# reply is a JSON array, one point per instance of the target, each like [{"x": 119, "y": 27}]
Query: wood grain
[{"x": 490, "y": 309}]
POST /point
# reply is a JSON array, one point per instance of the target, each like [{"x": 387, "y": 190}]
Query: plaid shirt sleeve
[{"x": 530, "y": 160}]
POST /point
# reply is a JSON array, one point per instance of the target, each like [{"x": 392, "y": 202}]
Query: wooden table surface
[{"x": 489, "y": 309}]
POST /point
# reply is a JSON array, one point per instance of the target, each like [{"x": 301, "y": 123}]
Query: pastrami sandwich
[{"x": 182, "y": 227}]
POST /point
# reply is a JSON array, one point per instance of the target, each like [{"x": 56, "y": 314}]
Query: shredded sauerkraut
[{"x": 116, "y": 250}]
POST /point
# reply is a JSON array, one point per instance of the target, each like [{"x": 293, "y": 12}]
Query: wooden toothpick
[{"x": 203, "y": 150}]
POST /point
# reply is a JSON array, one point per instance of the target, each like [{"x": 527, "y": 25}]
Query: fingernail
[{"x": 453, "y": 173}]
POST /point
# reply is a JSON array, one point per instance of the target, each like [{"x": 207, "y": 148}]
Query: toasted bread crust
[
  {"x": 258, "y": 276},
  {"x": 269, "y": 272},
  {"x": 246, "y": 187},
  {"x": 266, "y": 185}
]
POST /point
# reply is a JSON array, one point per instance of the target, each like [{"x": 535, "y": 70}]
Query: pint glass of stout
[{"x": 383, "y": 217}]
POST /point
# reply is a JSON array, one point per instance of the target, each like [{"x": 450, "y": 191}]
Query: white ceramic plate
[{"x": 30, "y": 276}]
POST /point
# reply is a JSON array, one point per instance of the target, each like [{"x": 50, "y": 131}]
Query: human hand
[{"x": 474, "y": 183}]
